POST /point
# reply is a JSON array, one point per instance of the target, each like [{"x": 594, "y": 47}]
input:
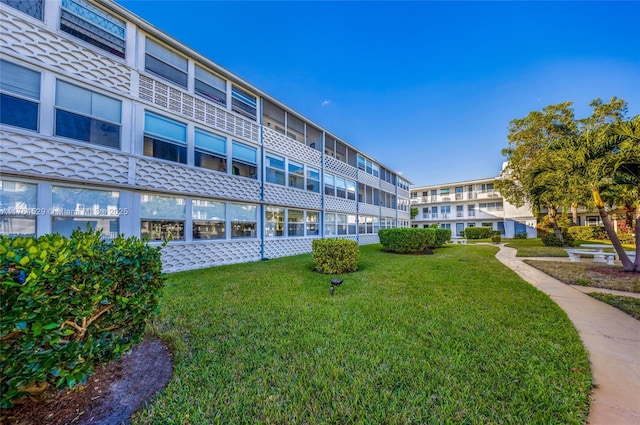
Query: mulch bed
[{"x": 108, "y": 397}]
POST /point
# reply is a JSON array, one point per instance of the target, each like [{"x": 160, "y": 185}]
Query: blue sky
[{"x": 426, "y": 88}]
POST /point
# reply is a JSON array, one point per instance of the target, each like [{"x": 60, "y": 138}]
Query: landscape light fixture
[{"x": 334, "y": 283}]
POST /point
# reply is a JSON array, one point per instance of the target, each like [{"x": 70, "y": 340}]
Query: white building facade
[
  {"x": 472, "y": 203},
  {"x": 107, "y": 121}
]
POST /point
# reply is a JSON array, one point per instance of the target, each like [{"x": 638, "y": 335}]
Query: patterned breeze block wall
[
  {"x": 275, "y": 248},
  {"x": 27, "y": 40},
  {"x": 183, "y": 103},
  {"x": 34, "y": 155},
  {"x": 333, "y": 165},
  {"x": 187, "y": 256},
  {"x": 281, "y": 195},
  {"x": 162, "y": 176},
  {"x": 278, "y": 143},
  {"x": 368, "y": 239}
]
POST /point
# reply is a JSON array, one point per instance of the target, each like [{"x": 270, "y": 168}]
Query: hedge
[
  {"x": 68, "y": 304},
  {"x": 408, "y": 240},
  {"x": 332, "y": 256},
  {"x": 478, "y": 232}
]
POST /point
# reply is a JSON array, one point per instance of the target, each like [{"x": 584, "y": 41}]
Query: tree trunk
[
  {"x": 637, "y": 239},
  {"x": 627, "y": 265},
  {"x": 553, "y": 213},
  {"x": 574, "y": 214}
]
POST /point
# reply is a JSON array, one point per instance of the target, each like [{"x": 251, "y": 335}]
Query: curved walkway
[{"x": 611, "y": 337}]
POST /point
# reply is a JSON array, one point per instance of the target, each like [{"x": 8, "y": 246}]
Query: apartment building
[
  {"x": 107, "y": 121},
  {"x": 472, "y": 203}
]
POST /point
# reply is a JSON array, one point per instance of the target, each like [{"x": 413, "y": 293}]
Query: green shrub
[
  {"x": 548, "y": 238},
  {"x": 496, "y": 238},
  {"x": 520, "y": 235},
  {"x": 413, "y": 240},
  {"x": 67, "y": 304},
  {"x": 478, "y": 232},
  {"x": 583, "y": 233},
  {"x": 333, "y": 256}
]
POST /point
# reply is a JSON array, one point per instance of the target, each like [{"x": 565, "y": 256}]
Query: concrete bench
[
  {"x": 458, "y": 240},
  {"x": 598, "y": 256}
]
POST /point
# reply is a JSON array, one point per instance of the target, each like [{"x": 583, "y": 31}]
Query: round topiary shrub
[{"x": 332, "y": 256}]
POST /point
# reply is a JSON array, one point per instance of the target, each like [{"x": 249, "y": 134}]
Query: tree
[
  {"x": 525, "y": 179},
  {"x": 414, "y": 212},
  {"x": 603, "y": 160}
]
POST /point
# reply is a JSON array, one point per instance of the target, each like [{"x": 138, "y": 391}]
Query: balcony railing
[
  {"x": 460, "y": 216},
  {"x": 465, "y": 196}
]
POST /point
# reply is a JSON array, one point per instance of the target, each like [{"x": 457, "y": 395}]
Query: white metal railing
[{"x": 466, "y": 196}]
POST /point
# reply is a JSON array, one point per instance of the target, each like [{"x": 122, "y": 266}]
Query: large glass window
[
  {"x": 313, "y": 180},
  {"x": 243, "y": 102},
  {"x": 352, "y": 224},
  {"x": 19, "y": 96},
  {"x": 165, "y": 63},
  {"x": 32, "y": 8},
  {"x": 210, "y": 151},
  {"x": 329, "y": 185},
  {"x": 74, "y": 208},
  {"x": 244, "y": 160},
  {"x": 296, "y": 175},
  {"x": 210, "y": 86},
  {"x": 341, "y": 187},
  {"x": 87, "y": 116},
  {"x": 18, "y": 209},
  {"x": 274, "y": 222},
  {"x": 295, "y": 220},
  {"x": 209, "y": 218},
  {"x": 165, "y": 138},
  {"x": 329, "y": 224},
  {"x": 162, "y": 217},
  {"x": 243, "y": 220},
  {"x": 313, "y": 223},
  {"x": 341, "y": 224},
  {"x": 93, "y": 25},
  {"x": 275, "y": 169}
]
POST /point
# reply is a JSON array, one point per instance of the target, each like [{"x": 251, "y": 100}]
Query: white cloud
[{"x": 325, "y": 102}]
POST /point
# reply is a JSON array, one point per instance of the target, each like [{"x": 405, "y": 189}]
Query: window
[
  {"x": 313, "y": 223},
  {"x": 295, "y": 223},
  {"x": 32, "y": 8},
  {"x": 487, "y": 187},
  {"x": 458, "y": 193},
  {"x": 244, "y": 161},
  {"x": 486, "y": 225},
  {"x": 210, "y": 151},
  {"x": 329, "y": 185},
  {"x": 243, "y": 220},
  {"x": 210, "y": 86},
  {"x": 314, "y": 138},
  {"x": 87, "y": 116},
  {"x": 501, "y": 227},
  {"x": 165, "y": 63},
  {"x": 341, "y": 151},
  {"x": 361, "y": 163},
  {"x": 208, "y": 219},
  {"x": 74, "y": 208},
  {"x": 491, "y": 206},
  {"x": 471, "y": 210},
  {"x": 296, "y": 175},
  {"x": 341, "y": 224},
  {"x": 329, "y": 224},
  {"x": 19, "y": 96},
  {"x": 93, "y": 25},
  {"x": 445, "y": 210},
  {"x": 459, "y": 211},
  {"x": 352, "y": 224},
  {"x": 444, "y": 191},
  {"x": 403, "y": 184},
  {"x": 313, "y": 180},
  {"x": 243, "y": 102},
  {"x": 295, "y": 128},
  {"x": 273, "y": 117},
  {"x": 351, "y": 190},
  {"x": 330, "y": 147},
  {"x": 165, "y": 138},
  {"x": 368, "y": 225},
  {"x": 162, "y": 217},
  {"x": 18, "y": 209},
  {"x": 445, "y": 226},
  {"x": 274, "y": 222},
  {"x": 376, "y": 170},
  {"x": 341, "y": 187},
  {"x": 275, "y": 169}
]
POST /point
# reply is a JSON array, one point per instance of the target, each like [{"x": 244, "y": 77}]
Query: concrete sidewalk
[{"x": 611, "y": 337}]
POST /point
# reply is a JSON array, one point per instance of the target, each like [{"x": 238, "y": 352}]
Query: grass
[
  {"x": 629, "y": 305},
  {"x": 454, "y": 337},
  {"x": 587, "y": 273},
  {"x": 535, "y": 248}
]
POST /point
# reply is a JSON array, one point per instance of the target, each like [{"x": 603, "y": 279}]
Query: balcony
[
  {"x": 456, "y": 197},
  {"x": 461, "y": 216}
]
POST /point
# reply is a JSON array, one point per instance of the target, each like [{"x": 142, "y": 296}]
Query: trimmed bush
[
  {"x": 496, "y": 238},
  {"x": 520, "y": 235},
  {"x": 413, "y": 240},
  {"x": 583, "y": 233},
  {"x": 68, "y": 304},
  {"x": 332, "y": 256},
  {"x": 548, "y": 238},
  {"x": 478, "y": 232}
]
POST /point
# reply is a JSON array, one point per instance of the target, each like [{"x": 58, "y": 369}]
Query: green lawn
[
  {"x": 535, "y": 248},
  {"x": 453, "y": 337}
]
